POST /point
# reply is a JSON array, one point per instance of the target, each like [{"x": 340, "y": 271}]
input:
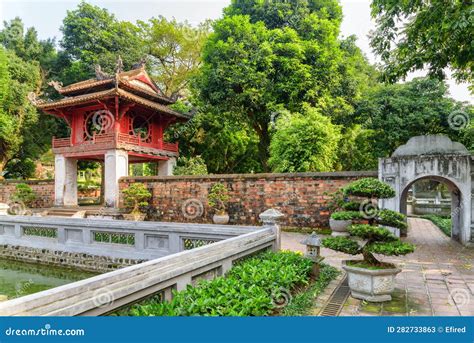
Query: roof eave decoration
[{"x": 85, "y": 98}]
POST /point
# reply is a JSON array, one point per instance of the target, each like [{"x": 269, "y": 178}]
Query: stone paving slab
[{"x": 436, "y": 280}]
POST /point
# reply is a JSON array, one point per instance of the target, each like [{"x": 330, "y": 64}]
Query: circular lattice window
[
  {"x": 98, "y": 122},
  {"x": 141, "y": 128}
]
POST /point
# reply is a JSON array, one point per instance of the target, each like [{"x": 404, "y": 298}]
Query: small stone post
[
  {"x": 270, "y": 218},
  {"x": 4, "y": 209}
]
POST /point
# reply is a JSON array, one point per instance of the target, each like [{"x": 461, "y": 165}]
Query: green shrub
[
  {"x": 24, "y": 193},
  {"x": 218, "y": 197},
  {"x": 369, "y": 188},
  {"x": 377, "y": 240},
  {"x": 246, "y": 290},
  {"x": 190, "y": 166},
  {"x": 392, "y": 218},
  {"x": 303, "y": 303},
  {"x": 342, "y": 244},
  {"x": 351, "y": 206},
  {"x": 443, "y": 223},
  {"x": 346, "y": 215},
  {"x": 136, "y": 196}
]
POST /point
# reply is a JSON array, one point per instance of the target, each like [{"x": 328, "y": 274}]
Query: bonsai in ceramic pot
[
  {"x": 217, "y": 199},
  {"x": 135, "y": 198},
  {"x": 340, "y": 221},
  {"x": 370, "y": 279},
  {"x": 393, "y": 221}
]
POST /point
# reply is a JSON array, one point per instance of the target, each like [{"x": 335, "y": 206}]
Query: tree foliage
[
  {"x": 413, "y": 35},
  {"x": 304, "y": 142},
  {"x": 17, "y": 115},
  {"x": 267, "y": 56},
  {"x": 174, "y": 52},
  {"x": 398, "y": 112}
]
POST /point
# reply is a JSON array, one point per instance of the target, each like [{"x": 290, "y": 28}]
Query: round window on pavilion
[{"x": 141, "y": 128}]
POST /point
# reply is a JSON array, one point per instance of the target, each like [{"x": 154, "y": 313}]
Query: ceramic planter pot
[
  {"x": 375, "y": 285},
  {"x": 339, "y": 227},
  {"x": 221, "y": 219},
  {"x": 138, "y": 217}
]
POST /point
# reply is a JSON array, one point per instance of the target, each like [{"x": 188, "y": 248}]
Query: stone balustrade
[
  {"x": 111, "y": 238},
  {"x": 107, "y": 292}
]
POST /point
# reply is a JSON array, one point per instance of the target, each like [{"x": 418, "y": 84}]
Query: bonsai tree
[
  {"x": 218, "y": 197},
  {"x": 376, "y": 240},
  {"x": 136, "y": 196},
  {"x": 23, "y": 194}
]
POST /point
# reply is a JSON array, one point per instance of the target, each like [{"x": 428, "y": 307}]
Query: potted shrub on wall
[
  {"x": 370, "y": 279},
  {"x": 340, "y": 221},
  {"x": 23, "y": 198},
  {"x": 135, "y": 198},
  {"x": 217, "y": 199}
]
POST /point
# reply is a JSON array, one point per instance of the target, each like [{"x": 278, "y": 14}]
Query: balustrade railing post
[{"x": 270, "y": 218}]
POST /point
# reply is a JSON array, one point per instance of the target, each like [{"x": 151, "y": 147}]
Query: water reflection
[{"x": 19, "y": 279}]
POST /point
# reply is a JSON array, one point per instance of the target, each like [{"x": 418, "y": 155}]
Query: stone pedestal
[
  {"x": 116, "y": 166},
  {"x": 65, "y": 185},
  {"x": 165, "y": 168},
  {"x": 4, "y": 209}
]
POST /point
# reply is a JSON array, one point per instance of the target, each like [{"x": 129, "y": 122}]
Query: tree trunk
[
  {"x": 370, "y": 258},
  {"x": 263, "y": 145}
]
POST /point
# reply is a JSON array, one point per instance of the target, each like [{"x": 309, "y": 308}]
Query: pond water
[{"x": 18, "y": 279}]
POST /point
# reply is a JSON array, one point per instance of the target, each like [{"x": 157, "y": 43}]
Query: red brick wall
[
  {"x": 44, "y": 190},
  {"x": 301, "y": 197}
]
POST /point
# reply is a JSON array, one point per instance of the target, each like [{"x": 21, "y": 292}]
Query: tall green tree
[
  {"x": 92, "y": 35},
  {"x": 413, "y": 35},
  {"x": 304, "y": 142},
  {"x": 265, "y": 56},
  {"x": 174, "y": 52},
  {"x": 36, "y": 140},
  {"x": 400, "y": 111},
  {"x": 17, "y": 115}
]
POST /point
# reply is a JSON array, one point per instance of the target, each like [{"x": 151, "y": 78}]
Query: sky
[{"x": 46, "y": 17}]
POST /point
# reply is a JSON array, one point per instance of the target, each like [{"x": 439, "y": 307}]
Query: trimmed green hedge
[
  {"x": 248, "y": 289},
  {"x": 369, "y": 188},
  {"x": 444, "y": 223},
  {"x": 346, "y": 215}
]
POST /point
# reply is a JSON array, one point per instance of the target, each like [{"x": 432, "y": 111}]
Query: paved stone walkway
[{"x": 437, "y": 279}]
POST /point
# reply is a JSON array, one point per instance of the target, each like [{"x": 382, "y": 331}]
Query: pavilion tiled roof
[
  {"x": 134, "y": 85},
  {"x": 123, "y": 94},
  {"x": 132, "y": 80}
]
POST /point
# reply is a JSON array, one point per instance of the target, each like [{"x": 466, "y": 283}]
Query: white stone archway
[{"x": 438, "y": 158}]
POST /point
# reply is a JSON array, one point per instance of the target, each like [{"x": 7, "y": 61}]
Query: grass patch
[
  {"x": 309, "y": 230},
  {"x": 250, "y": 288},
  {"x": 365, "y": 265},
  {"x": 302, "y": 303},
  {"x": 442, "y": 222}
]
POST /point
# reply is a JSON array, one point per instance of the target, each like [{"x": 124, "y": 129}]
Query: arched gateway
[{"x": 436, "y": 158}]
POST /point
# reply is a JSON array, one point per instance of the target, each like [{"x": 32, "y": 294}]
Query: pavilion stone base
[
  {"x": 116, "y": 166},
  {"x": 165, "y": 168},
  {"x": 65, "y": 176}
]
